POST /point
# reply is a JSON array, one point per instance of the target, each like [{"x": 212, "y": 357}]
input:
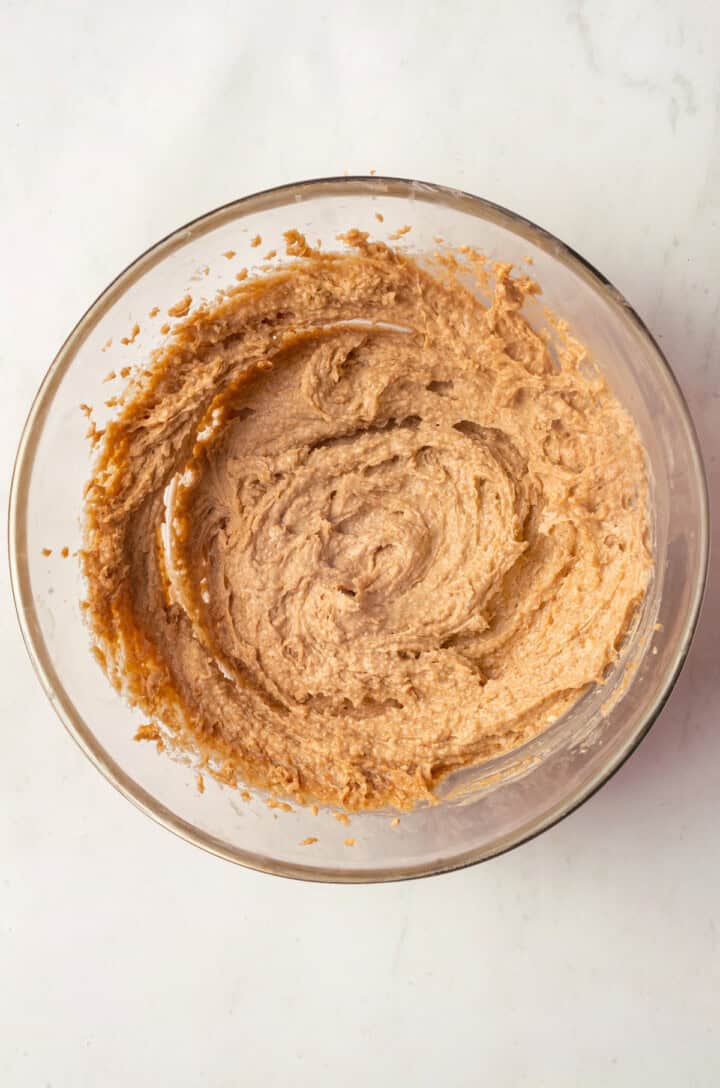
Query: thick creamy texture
[{"x": 394, "y": 549}]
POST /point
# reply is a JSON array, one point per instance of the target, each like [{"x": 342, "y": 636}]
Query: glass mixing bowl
[{"x": 484, "y": 810}]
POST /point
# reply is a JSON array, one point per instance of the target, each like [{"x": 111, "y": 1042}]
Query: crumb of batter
[
  {"x": 348, "y": 842},
  {"x": 242, "y": 274},
  {"x": 296, "y": 244},
  {"x": 380, "y": 217},
  {"x": 132, "y": 337},
  {"x": 165, "y": 329},
  {"x": 283, "y": 805},
  {"x": 95, "y": 650},
  {"x": 180, "y": 308},
  {"x": 152, "y": 733},
  {"x": 86, "y": 410},
  {"x": 65, "y": 551},
  {"x": 354, "y": 237},
  {"x": 229, "y": 253},
  {"x": 309, "y": 841},
  {"x": 110, "y": 376},
  {"x": 256, "y": 241},
  {"x": 246, "y": 795},
  {"x": 107, "y": 344},
  {"x": 200, "y": 783},
  {"x": 342, "y": 818},
  {"x": 226, "y": 773},
  {"x": 47, "y": 552},
  {"x": 395, "y": 822},
  {"x": 397, "y": 234},
  {"x": 355, "y": 528},
  {"x": 94, "y": 433},
  {"x": 270, "y": 254},
  {"x": 154, "y": 312},
  {"x": 314, "y": 809}
]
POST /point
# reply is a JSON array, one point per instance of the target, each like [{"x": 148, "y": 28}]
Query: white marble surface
[{"x": 590, "y": 956}]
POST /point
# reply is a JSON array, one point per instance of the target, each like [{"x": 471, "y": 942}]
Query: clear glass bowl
[{"x": 484, "y": 810}]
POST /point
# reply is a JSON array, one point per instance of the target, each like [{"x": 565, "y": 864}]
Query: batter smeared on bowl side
[{"x": 397, "y": 547}]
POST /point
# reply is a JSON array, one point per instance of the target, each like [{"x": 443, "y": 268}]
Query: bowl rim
[{"x": 292, "y": 193}]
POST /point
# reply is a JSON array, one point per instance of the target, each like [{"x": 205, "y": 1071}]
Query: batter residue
[{"x": 348, "y": 559}]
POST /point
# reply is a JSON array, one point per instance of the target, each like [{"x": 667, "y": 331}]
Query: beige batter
[{"x": 394, "y": 551}]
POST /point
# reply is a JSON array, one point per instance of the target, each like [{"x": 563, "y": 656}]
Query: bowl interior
[{"x": 483, "y": 810}]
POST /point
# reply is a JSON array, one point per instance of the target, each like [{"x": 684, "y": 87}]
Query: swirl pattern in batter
[{"x": 354, "y": 530}]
